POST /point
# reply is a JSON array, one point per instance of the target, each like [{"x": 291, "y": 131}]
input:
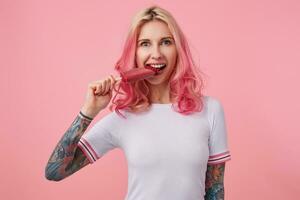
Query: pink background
[{"x": 50, "y": 51}]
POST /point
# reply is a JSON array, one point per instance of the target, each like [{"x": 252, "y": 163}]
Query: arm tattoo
[
  {"x": 214, "y": 182},
  {"x": 67, "y": 158}
]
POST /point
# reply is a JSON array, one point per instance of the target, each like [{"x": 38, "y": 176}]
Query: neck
[{"x": 160, "y": 93}]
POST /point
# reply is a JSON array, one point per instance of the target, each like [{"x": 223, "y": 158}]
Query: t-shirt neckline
[{"x": 164, "y": 105}]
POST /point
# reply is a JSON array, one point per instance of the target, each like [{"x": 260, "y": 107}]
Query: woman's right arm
[{"x": 67, "y": 157}]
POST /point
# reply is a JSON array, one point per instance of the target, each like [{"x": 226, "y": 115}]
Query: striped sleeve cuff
[
  {"x": 219, "y": 158},
  {"x": 88, "y": 150}
]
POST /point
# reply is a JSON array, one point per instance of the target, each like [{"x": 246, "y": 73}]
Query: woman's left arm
[{"x": 214, "y": 182}]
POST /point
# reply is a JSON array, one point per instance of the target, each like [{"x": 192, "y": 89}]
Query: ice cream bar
[{"x": 137, "y": 74}]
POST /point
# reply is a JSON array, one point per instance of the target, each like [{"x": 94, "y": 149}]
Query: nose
[{"x": 155, "y": 53}]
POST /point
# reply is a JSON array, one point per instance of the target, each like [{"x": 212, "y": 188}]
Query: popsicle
[{"x": 137, "y": 74}]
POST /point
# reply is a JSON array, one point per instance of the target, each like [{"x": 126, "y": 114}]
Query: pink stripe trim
[
  {"x": 85, "y": 152},
  {"x": 90, "y": 147},
  {"x": 219, "y": 161},
  {"x": 219, "y": 155}
]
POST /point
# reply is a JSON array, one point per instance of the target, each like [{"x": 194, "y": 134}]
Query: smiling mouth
[{"x": 156, "y": 69}]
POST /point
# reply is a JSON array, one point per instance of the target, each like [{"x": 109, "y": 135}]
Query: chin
[{"x": 156, "y": 81}]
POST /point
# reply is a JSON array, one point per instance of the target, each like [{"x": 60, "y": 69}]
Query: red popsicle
[{"x": 137, "y": 74}]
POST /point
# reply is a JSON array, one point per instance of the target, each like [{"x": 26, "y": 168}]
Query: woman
[{"x": 174, "y": 138}]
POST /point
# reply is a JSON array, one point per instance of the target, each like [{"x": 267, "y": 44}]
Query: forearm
[
  {"x": 64, "y": 151},
  {"x": 214, "y": 182},
  {"x": 216, "y": 192}
]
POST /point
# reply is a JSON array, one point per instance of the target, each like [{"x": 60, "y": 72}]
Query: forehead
[{"x": 154, "y": 30}]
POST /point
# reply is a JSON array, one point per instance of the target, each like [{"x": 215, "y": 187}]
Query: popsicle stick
[{"x": 118, "y": 78}]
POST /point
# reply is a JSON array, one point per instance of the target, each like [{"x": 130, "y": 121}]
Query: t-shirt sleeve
[
  {"x": 98, "y": 140},
  {"x": 218, "y": 144}
]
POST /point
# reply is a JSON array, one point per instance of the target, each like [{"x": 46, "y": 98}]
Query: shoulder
[
  {"x": 213, "y": 103},
  {"x": 214, "y": 108},
  {"x": 112, "y": 116},
  {"x": 108, "y": 120}
]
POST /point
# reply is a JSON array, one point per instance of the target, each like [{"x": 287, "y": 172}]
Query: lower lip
[{"x": 161, "y": 70}]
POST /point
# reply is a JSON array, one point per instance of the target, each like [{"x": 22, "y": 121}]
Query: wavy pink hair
[{"x": 185, "y": 82}]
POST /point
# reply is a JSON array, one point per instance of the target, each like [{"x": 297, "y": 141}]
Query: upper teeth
[{"x": 157, "y": 65}]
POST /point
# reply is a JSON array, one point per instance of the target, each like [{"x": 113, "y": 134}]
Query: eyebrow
[{"x": 160, "y": 39}]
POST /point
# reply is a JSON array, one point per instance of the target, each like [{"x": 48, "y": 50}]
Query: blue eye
[
  {"x": 143, "y": 43},
  {"x": 168, "y": 41}
]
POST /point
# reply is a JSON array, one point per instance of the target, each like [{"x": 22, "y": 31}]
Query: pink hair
[{"x": 186, "y": 83}]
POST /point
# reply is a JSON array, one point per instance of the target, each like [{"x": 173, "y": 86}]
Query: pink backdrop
[{"x": 51, "y": 50}]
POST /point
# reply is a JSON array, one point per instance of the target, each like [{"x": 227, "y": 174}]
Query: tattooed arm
[
  {"x": 214, "y": 182},
  {"x": 67, "y": 158}
]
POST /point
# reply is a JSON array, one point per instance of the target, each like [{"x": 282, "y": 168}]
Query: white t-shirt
[{"x": 167, "y": 153}]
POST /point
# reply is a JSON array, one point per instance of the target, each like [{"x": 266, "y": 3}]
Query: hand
[{"x": 98, "y": 96}]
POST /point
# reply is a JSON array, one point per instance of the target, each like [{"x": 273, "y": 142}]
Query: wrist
[
  {"x": 87, "y": 116},
  {"x": 88, "y": 112}
]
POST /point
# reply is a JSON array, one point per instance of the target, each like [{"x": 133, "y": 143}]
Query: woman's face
[{"x": 155, "y": 45}]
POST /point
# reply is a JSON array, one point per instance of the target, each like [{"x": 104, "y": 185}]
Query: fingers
[
  {"x": 106, "y": 86},
  {"x": 94, "y": 87},
  {"x": 113, "y": 81},
  {"x": 103, "y": 86}
]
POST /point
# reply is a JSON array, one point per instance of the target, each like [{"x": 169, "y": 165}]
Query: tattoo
[
  {"x": 79, "y": 161},
  {"x": 67, "y": 158},
  {"x": 214, "y": 182}
]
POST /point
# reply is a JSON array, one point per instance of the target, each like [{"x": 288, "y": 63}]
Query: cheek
[
  {"x": 139, "y": 58},
  {"x": 140, "y": 55},
  {"x": 172, "y": 57}
]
